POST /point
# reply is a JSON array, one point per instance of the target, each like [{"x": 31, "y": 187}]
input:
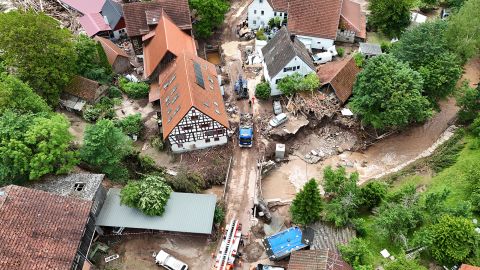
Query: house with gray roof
[
  {"x": 184, "y": 213},
  {"x": 370, "y": 49},
  {"x": 285, "y": 55}
]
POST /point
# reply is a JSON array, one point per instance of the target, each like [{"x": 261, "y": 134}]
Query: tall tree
[
  {"x": 307, "y": 205},
  {"x": 150, "y": 195},
  {"x": 463, "y": 33},
  {"x": 426, "y": 50},
  {"x": 18, "y": 96},
  {"x": 105, "y": 146},
  {"x": 38, "y": 51},
  {"x": 388, "y": 94},
  {"x": 453, "y": 239},
  {"x": 33, "y": 145},
  {"x": 390, "y": 17},
  {"x": 91, "y": 60},
  {"x": 209, "y": 15},
  {"x": 469, "y": 102}
]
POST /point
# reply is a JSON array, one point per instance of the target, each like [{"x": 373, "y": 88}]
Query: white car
[
  {"x": 277, "y": 107},
  {"x": 278, "y": 120},
  {"x": 169, "y": 262}
]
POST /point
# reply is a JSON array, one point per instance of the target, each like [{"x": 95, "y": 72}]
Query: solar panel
[{"x": 198, "y": 74}]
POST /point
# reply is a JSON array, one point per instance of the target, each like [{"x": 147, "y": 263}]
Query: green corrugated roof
[{"x": 185, "y": 212}]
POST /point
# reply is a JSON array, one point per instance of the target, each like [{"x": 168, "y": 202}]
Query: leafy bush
[
  {"x": 402, "y": 263},
  {"x": 340, "y": 51},
  {"x": 219, "y": 214},
  {"x": 359, "y": 59},
  {"x": 157, "y": 143},
  {"x": 263, "y": 90},
  {"x": 386, "y": 46},
  {"x": 104, "y": 109},
  {"x": 114, "y": 92},
  {"x": 104, "y": 147},
  {"x": 468, "y": 99},
  {"x": 274, "y": 22},
  {"x": 261, "y": 34},
  {"x": 133, "y": 89},
  {"x": 360, "y": 226},
  {"x": 294, "y": 83},
  {"x": 307, "y": 205},
  {"x": 150, "y": 195},
  {"x": 189, "y": 182},
  {"x": 356, "y": 253},
  {"x": 131, "y": 125},
  {"x": 372, "y": 194}
]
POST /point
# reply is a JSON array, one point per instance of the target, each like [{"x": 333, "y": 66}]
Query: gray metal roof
[
  {"x": 280, "y": 50},
  {"x": 370, "y": 48},
  {"x": 113, "y": 11},
  {"x": 185, "y": 212},
  {"x": 64, "y": 185}
]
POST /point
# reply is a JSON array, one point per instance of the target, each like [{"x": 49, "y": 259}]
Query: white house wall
[
  {"x": 295, "y": 62},
  {"x": 255, "y": 18},
  {"x": 315, "y": 42},
  {"x": 193, "y": 133}
]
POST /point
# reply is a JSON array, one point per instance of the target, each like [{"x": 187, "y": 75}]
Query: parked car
[
  {"x": 277, "y": 107},
  {"x": 278, "y": 120},
  {"x": 169, "y": 262}
]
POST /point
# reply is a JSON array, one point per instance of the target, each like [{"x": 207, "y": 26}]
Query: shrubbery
[
  {"x": 104, "y": 109},
  {"x": 263, "y": 90},
  {"x": 134, "y": 89},
  {"x": 131, "y": 125}
]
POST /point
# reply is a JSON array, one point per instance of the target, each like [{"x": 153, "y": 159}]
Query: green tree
[
  {"x": 131, "y": 125},
  {"x": 426, "y": 50},
  {"x": 402, "y": 263},
  {"x": 453, "y": 239},
  {"x": 209, "y": 15},
  {"x": 294, "y": 83},
  {"x": 336, "y": 182},
  {"x": 219, "y": 214},
  {"x": 91, "y": 60},
  {"x": 275, "y": 22},
  {"x": 263, "y": 90},
  {"x": 463, "y": 33},
  {"x": 18, "y": 96},
  {"x": 356, "y": 252},
  {"x": 390, "y": 17},
  {"x": 307, "y": 205},
  {"x": 105, "y": 146},
  {"x": 150, "y": 195},
  {"x": 372, "y": 194},
  {"x": 388, "y": 94},
  {"x": 38, "y": 51},
  {"x": 468, "y": 100},
  {"x": 33, "y": 145}
]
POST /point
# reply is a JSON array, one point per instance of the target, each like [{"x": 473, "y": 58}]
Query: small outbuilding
[
  {"x": 339, "y": 76},
  {"x": 320, "y": 259},
  {"x": 370, "y": 49},
  {"x": 81, "y": 91},
  {"x": 116, "y": 57},
  {"x": 184, "y": 213}
]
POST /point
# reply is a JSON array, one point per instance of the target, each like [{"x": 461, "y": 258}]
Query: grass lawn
[
  {"x": 452, "y": 178},
  {"x": 376, "y": 37}
]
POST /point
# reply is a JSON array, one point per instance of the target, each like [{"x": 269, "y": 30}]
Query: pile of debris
[
  {"x": 318, "y": 103},
  {"x": 54, "y": 8}
]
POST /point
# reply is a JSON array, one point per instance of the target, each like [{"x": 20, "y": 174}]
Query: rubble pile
[
  {"x": 54, "y": 8},
  {"x": 319, "y": 104}
]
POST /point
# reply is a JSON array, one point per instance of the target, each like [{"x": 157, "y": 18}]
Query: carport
[{"x": 184, "y": 212}]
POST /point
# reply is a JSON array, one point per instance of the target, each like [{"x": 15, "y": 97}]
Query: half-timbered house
[{"x": 192, "y": 108}]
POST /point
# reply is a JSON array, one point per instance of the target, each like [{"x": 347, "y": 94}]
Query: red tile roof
[
  {"x": 279, "y": 5},
  {"x": 315, "y": 18},
  {"x": 85, "y": 6},
  {"x": 135, "y": 15},
  {"x": 320, "y": 259},
  {"x": 93, "y": 23},
  {"x": 354, "y": 19},
  {"x": 167, "y": 38},
  {"x": 84, "y": 88},
  {"x": 111, "y": 50},
  {"x": 179, "y": 92},
  {"x": 341, "y": 75},
  {"x": 39, "y": 230},
  {"x": 468, "y": 267}
]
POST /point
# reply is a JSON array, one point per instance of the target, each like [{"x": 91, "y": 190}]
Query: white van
[{"x": 169, "y": 262}]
